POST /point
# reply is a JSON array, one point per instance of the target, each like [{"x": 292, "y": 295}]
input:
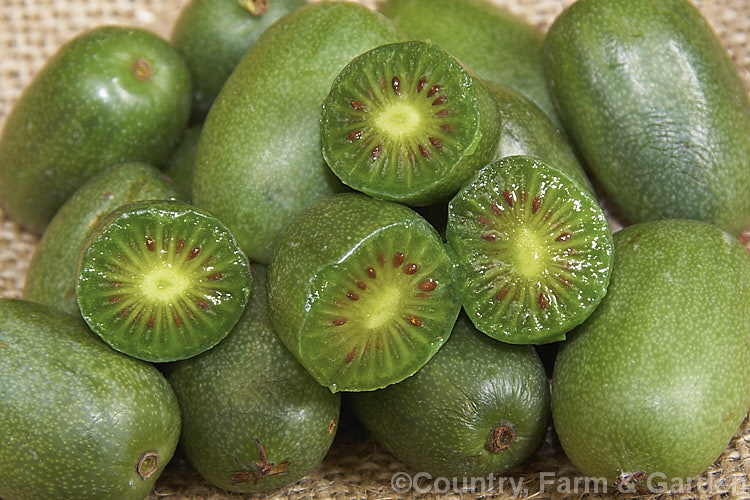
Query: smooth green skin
[
  {"x": 202, "y": 328},
  {"x": 213, "y": 35},
  {"x": 441, "y": 420},
  {"x": 259, "y": 158},
  {"x": 76, "y": 416},
  {"x": 247, "y": 387},
  {"x": 430, "y": 182},
  {"x": 85, "y": 111},
  {"x": 526, "y": 130},
  {"x": 53, "y": 271},
  {"x": 181, "y": 163},
  {"x": 656, "y": 108},
  {"x": 657, "y": 379},
  {"x": 587, "y": 223},
  {"x": 494, "y": 43},
  {"x": 322, "y": 237}
]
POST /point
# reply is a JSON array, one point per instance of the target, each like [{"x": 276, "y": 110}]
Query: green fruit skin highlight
[
  {"x": 443, "y": 418},
  {"x": 76, "y": 417},
  {"x": 250, "y": 387},
  {"x": 319, "y": 239},
  {"x": 656, "y": 107},
  {"x": 213, "y": 35},
  {"x": 53, "y": 271},
  {"x": 259, "y": 160},
  {"x": 494, "y": 43},
  {"x": 181, "y": 163},
  {"x": 657, "y": 380},
  {"x": 526, "y": 130},
  {"x": 94, "y": 104}
]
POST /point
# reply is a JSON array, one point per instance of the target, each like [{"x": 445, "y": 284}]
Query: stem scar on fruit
[
  {"x": 148, "y": 464},
  {"x": 258, "y": 468},
  {"x": 502, "y": 437}
]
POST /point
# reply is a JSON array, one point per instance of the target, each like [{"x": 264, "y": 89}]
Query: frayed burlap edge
[{"x": 355, "y": 467}]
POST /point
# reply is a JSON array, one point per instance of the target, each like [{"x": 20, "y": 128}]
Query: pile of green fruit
[{"x": 335, "y": 185}]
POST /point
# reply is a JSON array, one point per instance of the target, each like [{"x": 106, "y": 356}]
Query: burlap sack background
[{"x": 31, "y": 30}]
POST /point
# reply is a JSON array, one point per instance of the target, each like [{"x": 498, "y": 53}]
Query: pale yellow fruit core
[
  {"x": 381, "y": 311},
  {"x": 530, "y": 254},
  {"x": 397, "y": 120},
  {"x": 164, "y": 284}
]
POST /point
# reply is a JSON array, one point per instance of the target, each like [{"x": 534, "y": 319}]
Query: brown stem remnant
[
  {"x": 147, "y": 464},
  {"x": 502, "y": 436},
  {"x": 142, "y": 69},
  {"x": 258, "y": 468},
  {"x": 256, "y": 8}
]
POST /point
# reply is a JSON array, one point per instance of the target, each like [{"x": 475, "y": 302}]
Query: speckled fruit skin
[
  {"x": 497, "y": 45},
  {"x": 250, "y": 387},
  {"x": 657, "y": 380},
  {"x": 213, "y": 35},
  {"x": 53, "y": 271},
  {"x": 656, "y": 107},
  {"x": 321, "y": 241},
  {"x": 86, "y": 110},
  {"x": 259, "y": 158},
  {"x": 75, "y": 416},
  {"x": 526, "y": 130},
  {"x": 442, "y": 419},
  {"x": 181, "y": 163}
]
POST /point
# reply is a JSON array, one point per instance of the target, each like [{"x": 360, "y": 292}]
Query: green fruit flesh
[
  {"x": 213, "y": 35},
  {"x": 53, "y": 271},
  {"x": 478, "y": 407},
  {"x": 249, "y": 393},
  {"x": 533, "y": 251},
  {"x": 259, "y": 159},
  {"x": 78, "y": 420},
  {"x": 527, "y": 130},
  {"x": 111, "y": 95},
  {"x": 378, "y": 298},
  {"x": 667, "y": 131},
  {"x": 162, "y": 281},
  {"x": 405, "y": 122},
  {"x": 395, "y": 306},
  {"x": 495, "y": 44},
  {"x": 657, "y": 380},
  {"x": 181, "y": 163}
]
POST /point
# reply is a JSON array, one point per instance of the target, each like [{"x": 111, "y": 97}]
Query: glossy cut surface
[
  {"x": 417, "y": 140},
  {"x": 162, "y": 280}
]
